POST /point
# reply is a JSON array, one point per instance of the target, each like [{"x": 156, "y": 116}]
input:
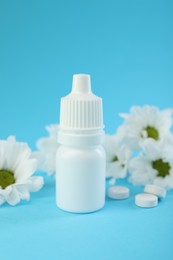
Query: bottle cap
[{"x": 81, "y": 109}]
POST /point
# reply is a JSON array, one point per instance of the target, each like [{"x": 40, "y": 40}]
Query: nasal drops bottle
[{"x": 80, "y": 159}]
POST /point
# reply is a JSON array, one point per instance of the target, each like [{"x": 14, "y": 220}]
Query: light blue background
[{"x": 127, "y": 47}]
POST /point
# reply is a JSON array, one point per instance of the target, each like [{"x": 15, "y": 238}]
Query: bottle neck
[{"x": 81, "y": 138}]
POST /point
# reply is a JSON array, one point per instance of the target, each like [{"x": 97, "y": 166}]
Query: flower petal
[
  {"x": 23, "y": 191},
  {"x": 2, "y": 200},
  {"x": 13, "y": 197},
  {"x": 36, "y": 183},
  {"x": 112, "y": 181}
]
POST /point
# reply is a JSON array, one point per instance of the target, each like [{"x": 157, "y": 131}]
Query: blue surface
[{"x": 127, "y": 47}]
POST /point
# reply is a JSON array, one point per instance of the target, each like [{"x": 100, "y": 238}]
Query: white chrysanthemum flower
[
  {"x": 16, "y": 170},
  {"x": 47, "y": 147},
  {"x": 117, "y": 157},
  {"x": 153, "y": 165},
  {"x": 145, "y": 123},
  {"x": 169, "y": 140}
]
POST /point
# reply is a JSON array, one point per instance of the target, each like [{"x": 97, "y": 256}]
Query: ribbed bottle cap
[{"x": 81, "y": 109}]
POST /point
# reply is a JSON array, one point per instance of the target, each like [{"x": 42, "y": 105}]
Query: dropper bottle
[{"x": 80, "y": 161}]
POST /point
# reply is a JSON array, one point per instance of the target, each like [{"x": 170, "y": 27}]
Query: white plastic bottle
[{"x": 80, "y": 162}]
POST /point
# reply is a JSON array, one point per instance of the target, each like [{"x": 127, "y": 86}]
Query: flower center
[
  {"x": 6, "y": 178},
  {"x": 162, "y": 168},
  {"x": 152, "y": 132},
  {"x": 115, "y": 159}
]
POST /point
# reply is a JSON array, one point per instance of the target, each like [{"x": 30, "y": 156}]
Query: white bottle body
[{"x": 80, "y": 178}]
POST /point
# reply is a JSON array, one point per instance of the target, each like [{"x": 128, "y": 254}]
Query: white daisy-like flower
[
  {"x": 169, "y": 140},
  {"x": 117, "y": 157},
  {"x": 147, "y": 122},
  {"x": 154, "y": 165},
  {"x": 16, "y": 170},
  {"x": 47, "y": 147}
]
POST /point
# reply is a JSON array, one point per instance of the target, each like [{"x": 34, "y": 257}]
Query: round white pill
[
  {"x": 156, "y": 190},
  {"x": 118, "y": 192},
  {"x": 146, "y": 200}
]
